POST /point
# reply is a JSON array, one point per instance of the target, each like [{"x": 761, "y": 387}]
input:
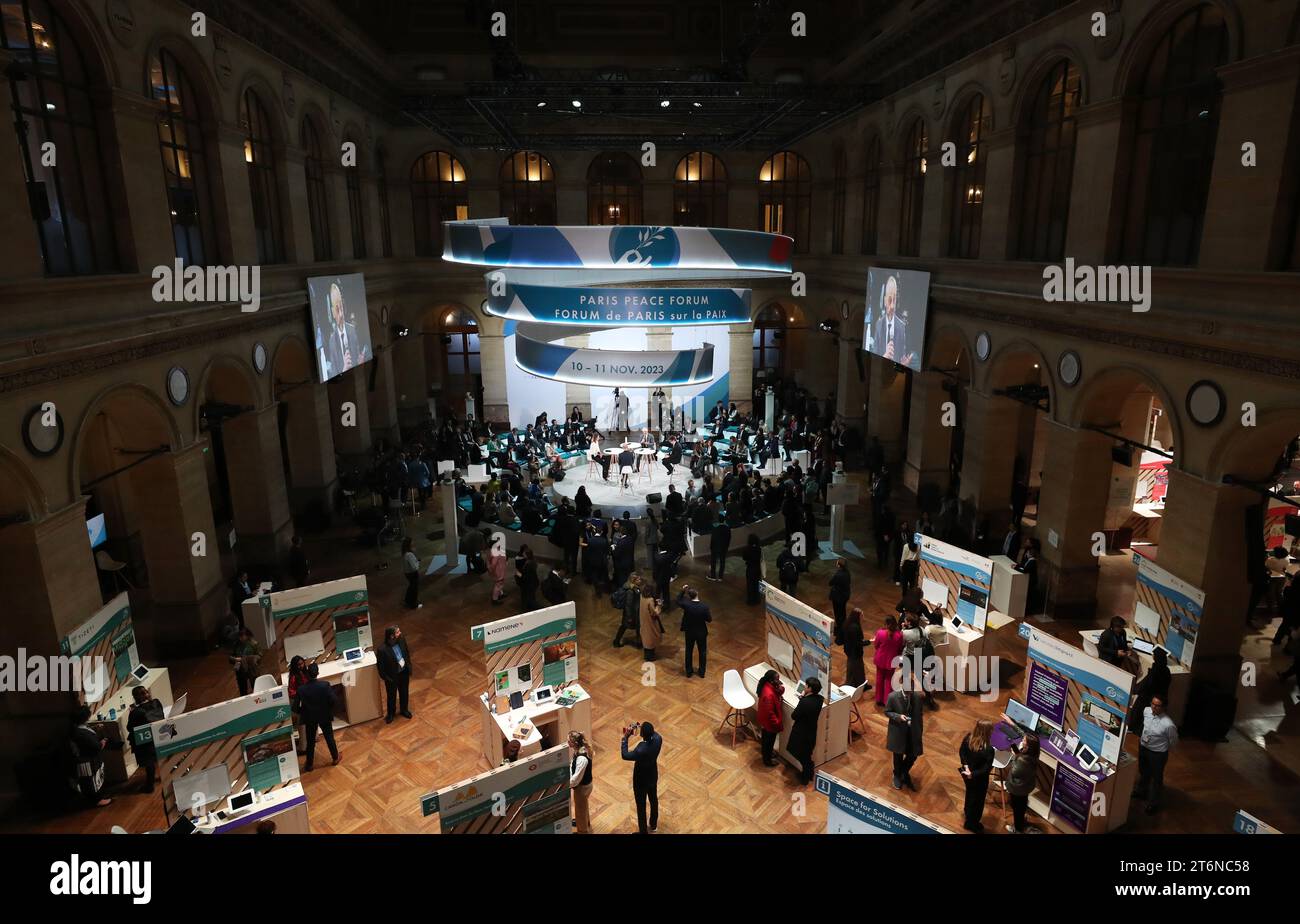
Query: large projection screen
[
  {"x": 897, "y": 301},
  {"x": 340, "y": 323}
]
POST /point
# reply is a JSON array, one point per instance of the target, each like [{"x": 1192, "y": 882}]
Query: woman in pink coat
[
  {"x": 889, "y": 642},
  {"x": 497, "y": 568}
]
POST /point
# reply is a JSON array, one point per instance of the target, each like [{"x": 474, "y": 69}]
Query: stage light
[
  {"x": 577, "y": 104},
  {"x": 696, "y": 105},
  {"x": 665, "y": 103},
  {"x": 542, "y": 104}
]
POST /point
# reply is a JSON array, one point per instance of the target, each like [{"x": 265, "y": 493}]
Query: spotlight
[
  {"x": 542, "y": 104},
  {"x": 696, "y": 105},
  {"x": 400, "y": 330},
  {"x": 665, "y": 103},
  {"x": 577, "y": 104}
]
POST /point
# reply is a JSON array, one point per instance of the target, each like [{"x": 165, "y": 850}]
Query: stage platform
[{"x": 610, "y": 497}]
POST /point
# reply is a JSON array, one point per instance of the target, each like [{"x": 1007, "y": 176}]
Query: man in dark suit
[
  {"x": 394, "y": 659},
  {"x": 316, "y": 706},
  {"x": 891, "y": 330},
  {"x": 624, "y": 553},
  {"x": 719, "y": 545},
  {"x": 695, "y": 626},
  {"x": 905, "y": 710},
  {"x": 645, "y": 772},
  {"x": 342, "y": 348},
  {"x": 674, "y": 503},
  {"x": 674, "y": 456}
]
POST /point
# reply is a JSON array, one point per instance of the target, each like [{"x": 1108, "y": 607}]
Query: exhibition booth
[
  {"x": 529, "y": 796},
  {"x": 110, "y": 670},
  {"x": 850, "y": 810},
  {"x": 1078, "y": 706},
  {"x": 799, "y": 647}
]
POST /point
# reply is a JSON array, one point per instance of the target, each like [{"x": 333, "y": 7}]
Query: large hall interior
[{"x": 404, "y": 401}]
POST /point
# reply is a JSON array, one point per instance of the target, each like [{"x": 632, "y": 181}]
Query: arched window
[
  {"x": 381, "y": 189},
  {"x": 318, "y": 210},
  {"x": 914, "y": 166},
  {"x": 527, "y": 184},
  {"x": 769, "y": 337},
  {"x": 839, "y": 192},
  {"x": 439, "y": 192},
  {"x": 613, "y": 190},
  {"x": 871, "y": 197},
  {"x": 259, "y": 154},
  {"x": 1175, "y": 112},
  {"x": 966, "y": 189},
  {"x": 1047, "y": 138},
  {"x": 356, "y": 212},
  {"x": 185, "y": 162},
  {"x": 460, "y": 339},
  {"x": 785, "y": 197},
  {"x": 50, "y": 91},
  {"x": 700, "y": 191}
]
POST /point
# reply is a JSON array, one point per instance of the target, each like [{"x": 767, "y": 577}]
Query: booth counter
[
  {"x": 119, "y": 759},
  {"x": 832, "y": 722},
  {"x": 254, "y": 619},
  {"x": 1010, "y": 591},
  {"x": 359, "y": 693},
  {"x": 549, "y": 723},
  {"x": 287, "y": 807},
  {"x": 1180, "y": 678}
]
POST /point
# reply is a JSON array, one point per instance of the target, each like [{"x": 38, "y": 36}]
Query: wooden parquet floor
[{"x": 706, "y": 785}]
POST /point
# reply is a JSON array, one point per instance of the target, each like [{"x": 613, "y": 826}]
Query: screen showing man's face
[
  {"x": 891, "y": 296},
  {"x": 336, "y": 306}
]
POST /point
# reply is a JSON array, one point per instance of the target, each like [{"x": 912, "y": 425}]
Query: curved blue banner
[{"x": 611, "y": 307}]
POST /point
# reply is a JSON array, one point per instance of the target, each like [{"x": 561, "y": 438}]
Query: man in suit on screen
[
  {"x": 891, "y": 330},
  {"x": 342, "y": 349}
]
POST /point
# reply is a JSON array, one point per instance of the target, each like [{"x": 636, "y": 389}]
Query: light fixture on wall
[{"x": 400, "y": 330}]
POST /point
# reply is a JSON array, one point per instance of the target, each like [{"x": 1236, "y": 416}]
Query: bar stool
[
  {"x": 592, "y": 465},
  {"x": 738, "y": 700},
  {"x": 624, "y": 471},
  {"x": 1002, "y": 760},
  {"x": 647, "y": 458}
]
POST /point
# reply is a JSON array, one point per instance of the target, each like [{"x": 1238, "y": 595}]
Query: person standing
[
  {"x": 909, "y": 561},
  {"x": 803, "y": 728},
  {"x": 87, "y": 758},
  {"x": 1159, "y": 736},
  {"x": 299, "y": 567},
  {"x": 1154, "y": 684},
  {"x": 316, "y": 703},
  {"x": 631, "y": 615},
  {"x": 1022, "y": 779},
  {"x": 652, "y": 627},
  {"x": 1113, "y": 645},
  {"x": 645, "y": 772},
  {"x": 145, "y": 711},
  {"x": 855, "y": 672},
  {"x": 580, "y": 780},
  {"x": 651, "y": 536},
  {"x": 889, "y": 644},
  {"x": 719, "y": 545},
  {"x": 976, "y": 756},
  {"x": 526, "y": 578},
  {"x": 624, "y": 552},
  {"x": 695, "y": 626},
  {"x": 905, "y": 738},
  {"x": 247, "y": 659},
  {"x": 840, "y": 586},
  {"x": 394, "y": 662},
  {"x": 770, "y": 715},
  {"x": 496, "y": 565},
  {"x": 411, "y": 568},
  {"x": 787, "y": 570},
  {"x": 753, "y": 558}
]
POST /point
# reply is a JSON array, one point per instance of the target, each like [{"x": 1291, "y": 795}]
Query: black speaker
[{"x": 655, "y": 498}]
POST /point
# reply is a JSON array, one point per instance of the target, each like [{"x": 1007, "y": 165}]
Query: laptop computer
[
  {"x": 1024, "y": 719},
  {"x": 1142, "y": 646}
]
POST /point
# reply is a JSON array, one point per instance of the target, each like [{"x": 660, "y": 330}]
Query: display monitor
[
  {"x": 97, "y": 531},
  {"x": 1022, "y": 715},
  {"x": 897, "y": 303},
  {"x": 340, "y": 323},
  {"x": 1142, "y": 646},
  {"x": 241, "y": 800}
]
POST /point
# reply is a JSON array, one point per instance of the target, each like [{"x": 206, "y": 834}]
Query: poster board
[
  {"x": 107, "y": 639},
  {"x": 531, "y": 796},
  {"x": 338, "y": 610},
  {"x": 538, "y": 648},
  {"x": 805, "y": 630},
  {"x": 199, "y": 741},
  {"x": 955, "y": 580},
  {"x": 1167, "y": 611},
  {"x": 850, "y": 810},
  {"x": 1077, "y": 693}
]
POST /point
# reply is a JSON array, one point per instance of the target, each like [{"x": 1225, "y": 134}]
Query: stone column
[
  {"x": 999, "y": 180},
  {"x": 411, "y": 381},
  {"x": 1098, "y": 128},
  {"x": 338, "y": 209},
  {"x": 257, "y": 490},
  {"x": 300, "y": 246},
  {"x": 1076, "y": 483},
  {"x": 310, "y": 442},
  {"x": 850, "y": 388},
  {"x": 934, "y": 205},
  {"x": 135, "y": 119},
  {"x": 1134, "y": 415},
  {"x": 929, "y": 441},
  {"x": 492, "y": 357},
  {"x": 1204, "y": 543},
  {"x": 349, "y": 413},
  {"x": 188, "y": 598},
  {"x": 383, "y": 399},
  {"x": 885, "y": 407},
  {"x": 989, "y": 457},
  {"x": 18, "y": 239},
  {"x": 741, "y": 368}
]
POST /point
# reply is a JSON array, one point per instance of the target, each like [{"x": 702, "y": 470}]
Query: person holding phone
[
  {"x": 580, "y": 780},
  {"x": 976, "y": 755},
  {"x": 1022, "y": 779},
  {"x": 645, "y": 771},
  {"x": 803, "y": 728},
  {"x": 906, "y": 734}
]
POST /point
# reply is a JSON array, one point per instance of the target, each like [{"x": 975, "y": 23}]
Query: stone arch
[
  {"x": 20, "y": 492},
  {"x": 963, "y": 96},
  {"x": 950, "y": 350},
  {"x": 1111, "y": 386},
  {"x": 1152, "y": 28},
  {"x": 1250, "y": 452},
  {"x": 271, "y": 102},
  {"x": 1012, "y": 362},
  {"x": 902, "y": 132},
  {"x": 137, "y": 404},
  {"x": 1038, "y": 70},
  {"x": 196, "y": 70},
  {"x": 232, "y": 379}
]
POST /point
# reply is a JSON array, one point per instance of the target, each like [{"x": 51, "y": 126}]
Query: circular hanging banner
[{"x": 574, "y": 276}]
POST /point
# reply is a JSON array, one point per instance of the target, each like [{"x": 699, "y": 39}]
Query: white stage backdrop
[
  {"x": 527, "y": 394},
  {"x": 700, "y": 397},
  {"x": 602, "y": 397}
]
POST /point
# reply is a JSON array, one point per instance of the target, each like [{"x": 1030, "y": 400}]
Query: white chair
[
  {"x": 265, "y": 682},
  {"x": 118, "y": 829},
  {"x": 106, "y": 562},
  {"x": 592, "y": 465},
  {"x": 738, "y": 700},
  {"x": 647, "y": 459},
  {"x": 626, "y": 479},
  {"x": 1002, "y": 760}
]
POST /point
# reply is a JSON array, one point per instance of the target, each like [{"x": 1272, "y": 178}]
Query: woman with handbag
[
  {"x": 652, "y": 627},
  {"x": 87, "y": 759}
]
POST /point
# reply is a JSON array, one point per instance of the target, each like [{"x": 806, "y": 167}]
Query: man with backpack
[
  {"x": 787, "y": 568},
  {"x": 628, "y": 599}
]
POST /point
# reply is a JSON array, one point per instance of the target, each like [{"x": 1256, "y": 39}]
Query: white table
[
  {"x": 1180, "y": 678},
  {"x": 286, "y": 806},
  {"x": 498, "y": 728},
  {"x": 832, "y": 722},
  {"x": 362, "y": 700},
  {"x": 119, "y": 762}
]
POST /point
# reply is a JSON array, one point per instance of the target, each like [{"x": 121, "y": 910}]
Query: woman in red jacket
[{"x": 769, "y": 711}]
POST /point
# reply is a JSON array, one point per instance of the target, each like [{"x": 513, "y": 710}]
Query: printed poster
[
  {"x": 560, "y": 662},
  {"x": 270, "y": 759}
]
